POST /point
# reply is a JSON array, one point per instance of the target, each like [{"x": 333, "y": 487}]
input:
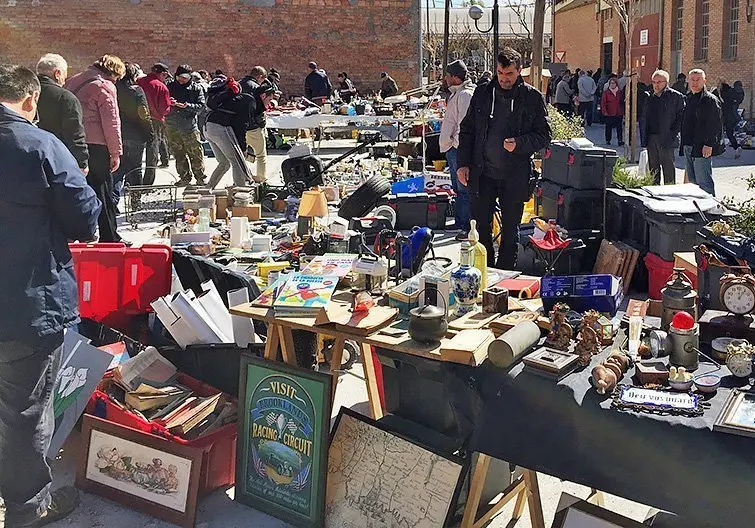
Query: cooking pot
[{"x": 428, "y": 323}]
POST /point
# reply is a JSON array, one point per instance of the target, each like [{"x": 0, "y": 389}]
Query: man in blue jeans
[
  {"x": 44, "y": 202},
  {"x": 461, "y": 89},
  {"x": 702, "y": 132}
]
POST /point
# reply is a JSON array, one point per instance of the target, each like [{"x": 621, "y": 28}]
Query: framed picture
[
  {"x": 128, "y": 466},
  {"x": 551, "y": 360},
  {"x": 737, "y": 415},
  {"x": 282, "y": 448},
  {"x": 377, "y": 477},
  {"x": 582, "y": 514}
]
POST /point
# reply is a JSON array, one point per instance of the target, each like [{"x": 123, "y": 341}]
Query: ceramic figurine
[
  {"x": 561, "y": 332},
  {"x": 466, "y": 281},
  {"x": 606, "y": 375},
  {"x": 588, "y": 341}
]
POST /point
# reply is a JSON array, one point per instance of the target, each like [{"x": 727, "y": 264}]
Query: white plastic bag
[{"x": 642, "y": 169}]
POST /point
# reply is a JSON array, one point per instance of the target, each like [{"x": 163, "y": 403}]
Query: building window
[
  {"x": 676, "y": 27},
  {"x": 730, "y": 29},
  {"x": 702, "y": 27}
]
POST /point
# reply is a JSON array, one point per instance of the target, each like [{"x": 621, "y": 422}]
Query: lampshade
[{"x": 313, "y": 203}]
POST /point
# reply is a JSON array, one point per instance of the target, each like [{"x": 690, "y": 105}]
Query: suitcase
[
  {"x": 578, "y": 168},
  {"x": 571, "y": 208}
]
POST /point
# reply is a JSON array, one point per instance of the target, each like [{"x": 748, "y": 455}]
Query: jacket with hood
[
  {"x": 185, "y": 119},
  {"x": 456, "y": 110},
  {"x": 136, "y": 124},
  {"x": 44, "y": 202},
  {"x": 59, "y": 112},
  {"x": 528, "y": 124},
  {"x": 99, "y": 103},
  {"x": 158, "y": 97}
]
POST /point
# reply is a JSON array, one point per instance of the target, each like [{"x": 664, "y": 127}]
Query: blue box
[{"x": 603, "y": 293}]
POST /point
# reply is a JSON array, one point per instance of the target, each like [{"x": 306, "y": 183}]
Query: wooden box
[{"x": 252, "y": 212}]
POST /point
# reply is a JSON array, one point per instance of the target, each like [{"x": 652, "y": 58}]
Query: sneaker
[
  {"x": 64, "y": 501},
  {"x": 621, "y": 143},
  {"x": 164, "y": 165},
  {"x": 182, "y": 183},
  {"x": 738, "y": 153},
  {"x": 460, "y": 237},
  {"x": 201, "y": 183}
]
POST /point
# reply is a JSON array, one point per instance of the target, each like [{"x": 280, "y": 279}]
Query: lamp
[
  {"x": 476, "y": 13},
  {"x": 313, "y": 203}
]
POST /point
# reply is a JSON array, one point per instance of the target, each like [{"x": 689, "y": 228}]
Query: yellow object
[
  {"x": 439, "y": 165},
  {"x": 263, "y": 268},
  {"x": 480, "y": 254},
  {"x": 313, "y": 203},
  {"x": 529, "y": 211}
]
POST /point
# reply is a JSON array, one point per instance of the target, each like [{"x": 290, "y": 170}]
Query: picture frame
[
  {"x": 352, "y": 468},
  {"x": 583, "y": 514},
  {"x": 737, "y": 415},
  {"x": 282, "y": 447},
  {"x": 551, "y": 360},
  {"x": 157, "y": 477}
]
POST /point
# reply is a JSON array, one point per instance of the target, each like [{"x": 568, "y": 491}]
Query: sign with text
[
  {"x": 283, "y": 440},
  {"x": 643, "y": 37}
]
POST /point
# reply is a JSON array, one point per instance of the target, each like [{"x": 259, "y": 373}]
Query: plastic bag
[{"x": 642, "y": 169}]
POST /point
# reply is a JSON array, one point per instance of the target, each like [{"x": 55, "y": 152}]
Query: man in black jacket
[
  {"x": 317, "y": 87},
  {"x": 660, "y": 127},
  {"x": 505, "y": 125},
  {"x": 59, "y": 109},
  {"x": 186, "y": 100},
  {"x": 702, "y": 132}
]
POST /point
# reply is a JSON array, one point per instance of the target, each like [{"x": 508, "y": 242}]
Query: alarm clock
[
  {"x": 737, "y": 293},
  {"x": 739, "y": 363}
]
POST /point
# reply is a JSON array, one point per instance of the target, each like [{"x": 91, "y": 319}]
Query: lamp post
[{"x": 475, "y": 13}]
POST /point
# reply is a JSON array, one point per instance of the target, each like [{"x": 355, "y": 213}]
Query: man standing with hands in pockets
[{"x": 505, "y": 125}]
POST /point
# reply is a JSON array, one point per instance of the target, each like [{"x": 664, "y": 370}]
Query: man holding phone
[
  {"x": 504, "y": 126},
  {"x": 186, "y": 101}
]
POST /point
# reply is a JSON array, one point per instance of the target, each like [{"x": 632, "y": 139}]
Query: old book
[
  {"x": 147, "y": 397},
  {"x": 200, "y": 409},
  {"x": 468, "y": 347},
  {"x": 148, "y": 366}
]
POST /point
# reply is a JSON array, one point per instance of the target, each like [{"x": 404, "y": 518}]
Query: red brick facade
[
  {"x": 361, "y": 37},
  {"x": 571, "y": 25}
]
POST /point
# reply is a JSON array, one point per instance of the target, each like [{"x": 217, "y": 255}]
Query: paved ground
[{"x": 219, "y": 511}]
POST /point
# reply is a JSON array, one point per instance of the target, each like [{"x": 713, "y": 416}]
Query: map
[{"x": 376, "y": 480}]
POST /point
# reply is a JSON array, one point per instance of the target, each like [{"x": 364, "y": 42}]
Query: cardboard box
[
  {"x": 221, "y": 205},
  {"x": 687, "y": 261},
  {"x": 603, "y": 293},
  {"x": 252, "y": 212}
]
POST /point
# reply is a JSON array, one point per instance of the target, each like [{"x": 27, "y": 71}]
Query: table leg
[
  {"x": 521, "y": 499},
  {"x": 271, "y": 345},
  {"x": 533, "y": 499},
  {"x": 287, "y": 345},
  {"x": 373, "y": 395},
  {"x": 336, "y": 360},
  {"x": 476, "y": 485}
]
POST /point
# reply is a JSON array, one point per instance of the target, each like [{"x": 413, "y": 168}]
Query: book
[
  {"x": 268, "y": 296},
  {"x": 305, "y": 294},
  {"x": 147, "y": 397},
  {"x": 148, "y": 366},
  {"x": 192, "y": 414},
  {"x": 331, "y": 264}
]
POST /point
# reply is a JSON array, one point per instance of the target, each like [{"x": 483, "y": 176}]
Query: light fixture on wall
[{"x": 749, "y": 11}]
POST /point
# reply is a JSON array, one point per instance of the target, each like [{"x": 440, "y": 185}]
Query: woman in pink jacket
[{"x": 95, "y": 88}]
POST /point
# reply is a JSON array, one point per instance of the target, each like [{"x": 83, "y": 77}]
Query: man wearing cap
[
  {"x": 187, "y": 100},
  {"x": 462, "y": 89},
  {"x": 317, "y": 87},
  {"x": 158, "y": 100},
  {"x": 388, "y": 88}
]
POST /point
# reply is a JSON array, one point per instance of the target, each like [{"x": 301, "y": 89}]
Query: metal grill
[{"x": 151, "y": 204}]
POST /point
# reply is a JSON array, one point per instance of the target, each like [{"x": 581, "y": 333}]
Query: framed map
[
  {"x": 379, "y": 479},
  {"x": 282, "y": 448}
]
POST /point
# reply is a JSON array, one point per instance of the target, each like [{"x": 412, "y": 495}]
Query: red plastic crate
[
  {"x": 218, "y": 448},
  {"x": 117, "y": 280},
  {"x": 659, "y": 273}
]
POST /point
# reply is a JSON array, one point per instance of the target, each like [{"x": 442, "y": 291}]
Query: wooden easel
[{"x": 525, "y": 488}]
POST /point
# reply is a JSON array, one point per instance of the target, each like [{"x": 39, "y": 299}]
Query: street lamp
[{"x": 475, "y": 13}]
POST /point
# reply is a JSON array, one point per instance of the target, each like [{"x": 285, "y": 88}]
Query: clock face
[
  {"x": 739, "y": 299},
  {"x": 740, "y": 365}
]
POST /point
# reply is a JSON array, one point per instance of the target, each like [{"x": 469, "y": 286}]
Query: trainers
[
  {"x": 460, "y": 237},
  {"x": 738, "y": 153},
  {"x": 182, "y": 183},
  {"x": 64, "y": 501}
]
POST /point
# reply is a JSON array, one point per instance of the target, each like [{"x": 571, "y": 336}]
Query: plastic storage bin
[
  {"x": 117, "y": 280},
  {"x": 571, "y": 208},
  {"x": 671, "y": 233},
  {"x": 659, "y": 272},
  {"x": 218, "y": 448},
  {"x": 578, "y": 168}
]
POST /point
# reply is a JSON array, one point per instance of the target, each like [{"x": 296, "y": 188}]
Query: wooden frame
[
  {"x": 138, "y": 479},
  {"x": 295, "y": 453},
  {"x": 592, "y": 510},
  {"x": 724, "y": 421}
]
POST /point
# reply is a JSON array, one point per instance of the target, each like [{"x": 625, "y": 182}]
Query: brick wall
[
  {"x": 361, "y": 37},
  {"x": 577, "y": 32}
]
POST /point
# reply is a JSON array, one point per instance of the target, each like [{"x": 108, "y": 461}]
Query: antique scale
[{"x": 737, "y": 295}]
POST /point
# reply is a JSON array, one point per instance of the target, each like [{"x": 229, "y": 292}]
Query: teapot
[{"x": 428, "y": 323}]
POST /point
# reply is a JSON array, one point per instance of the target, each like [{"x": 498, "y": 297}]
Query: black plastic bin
[
  {"x": 571, "y": 208},
  {"x": 411, "y": 210},
  {"x": 671, "y": 232},
  {"x": 589, "y": 168}
]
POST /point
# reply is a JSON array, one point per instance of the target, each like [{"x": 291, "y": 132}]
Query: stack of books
[{"x": 304, "y": 294}]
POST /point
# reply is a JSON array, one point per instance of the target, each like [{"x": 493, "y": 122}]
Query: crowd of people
[{"x": 685, "y": 115}]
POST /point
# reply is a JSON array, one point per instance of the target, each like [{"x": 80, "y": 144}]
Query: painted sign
[
  {"x": 282, "y": 446},
  {"x": 643, "y": 37}
]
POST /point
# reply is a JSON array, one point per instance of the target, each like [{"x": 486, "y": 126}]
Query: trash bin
[{"x": 583, "y": 168}]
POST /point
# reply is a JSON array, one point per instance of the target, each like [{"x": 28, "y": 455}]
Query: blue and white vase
[{"x": 466, "y": 281}]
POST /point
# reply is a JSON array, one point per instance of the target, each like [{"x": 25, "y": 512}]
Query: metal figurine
[
  {"x": 588, "y": 341},
  {"x": 561, "y": 332}
]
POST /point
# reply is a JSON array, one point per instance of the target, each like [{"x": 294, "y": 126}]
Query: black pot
[{"x": 427, "y": 324}]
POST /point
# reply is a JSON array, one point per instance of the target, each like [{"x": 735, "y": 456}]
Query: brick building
[
  {"x": 676, "y": 35},
  {"x": 361, "y": 37}
]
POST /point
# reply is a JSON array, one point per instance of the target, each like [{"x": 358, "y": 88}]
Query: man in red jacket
[{"x": 158, "y": 99}]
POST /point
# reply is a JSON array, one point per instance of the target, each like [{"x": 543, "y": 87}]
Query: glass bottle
[
  {"x": 480, "y": 254},
  {"x": 466, "y": 281}
]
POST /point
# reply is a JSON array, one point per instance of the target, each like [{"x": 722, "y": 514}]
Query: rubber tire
[{"x": 364, "y": 198}]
